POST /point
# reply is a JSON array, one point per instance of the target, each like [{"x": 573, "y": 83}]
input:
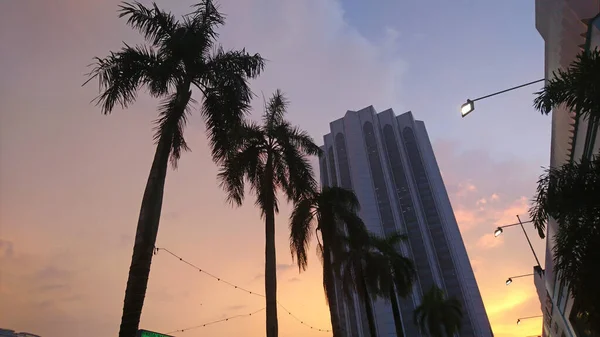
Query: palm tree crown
[
  {"x": 179, "y": 54},
  {"x": 271, "y": 157},
  {"x": 437, "y": 315},
  {"x": 578, "y": 87},
  {"x": 275, "y": 147},
  {"x": 373, "y": 267},
  {"x": 332, "y": 212}
]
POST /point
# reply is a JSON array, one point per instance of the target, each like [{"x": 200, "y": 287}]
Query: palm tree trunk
[
  {"x": 145, "y": 239},
  {"x": 368, "y": 308},
  {"x": 148, "y": 221},
  {"x": 329, "y": 281},
  {"x": 396, "y": 312},
  {"x": 270, "y": 253}
]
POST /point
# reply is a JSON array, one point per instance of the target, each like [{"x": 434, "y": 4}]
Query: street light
[
  {"x": 510, "y": 279},
  {"x": 522, "y": 318},
  {"x": 499, "y": 231},
  {"x": 469, "y": 106}
]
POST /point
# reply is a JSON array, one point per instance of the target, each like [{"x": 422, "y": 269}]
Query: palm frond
[
  {"x": 275, "y": 109},
  {"x": 578, "y": 87},
  {"x": 153, "y": 23},
  {"x": 173, "y": 113},
  {"x": 233, "y": 64},
  {"x": 206, "y": 17},
  {"x": 224, "y": 107},
  {"x": 565, "y": 191},
  {"x": 302, "y": 140},
  {"x": 120, "y": 75},
  {"x": 301, "y": 223},
  {"x": 300, "y": 172},
  {"x": 341, "y": 198},
  {"x": 244, "y": 162},
  {"x": 437, "y": 315}
]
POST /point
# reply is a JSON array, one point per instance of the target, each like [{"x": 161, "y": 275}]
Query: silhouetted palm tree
[
  {"x": 330, "y": 212},
  {"x": 578, "y": 87},
  {"x": 271, "y": 157},
  {"x": 438, "y": 316},
  {"x": 179, "y": 55},
  {"x": 373, "y": 267},
  {"x": 571, "y": 195},
  {"x": 403, "y": 273}
]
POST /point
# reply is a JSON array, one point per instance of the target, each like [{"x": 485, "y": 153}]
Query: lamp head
[
  {"x": 498, "y": 231},
  {"x": 467, "y": 108},
  {"x": 508, "y": 281}
]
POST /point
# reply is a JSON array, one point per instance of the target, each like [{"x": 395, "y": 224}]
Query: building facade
[
  {"x": 567, "y": 27},
  {"x": 388, "y": 161}
]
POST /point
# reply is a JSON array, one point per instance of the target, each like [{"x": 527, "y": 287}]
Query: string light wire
[
  {"x": 215, "y": 322},
  {"x": 157, "y": 249}
]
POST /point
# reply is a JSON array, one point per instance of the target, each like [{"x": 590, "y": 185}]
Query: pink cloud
[{"x": 489, "y": 241}]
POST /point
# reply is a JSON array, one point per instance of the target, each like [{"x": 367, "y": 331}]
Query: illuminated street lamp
[
  {"x": 510, "y": 279},
  {"x": 469, "y": 106},
  {"x": 499, "y": 231},
  {"x": 522, "y": 318}
]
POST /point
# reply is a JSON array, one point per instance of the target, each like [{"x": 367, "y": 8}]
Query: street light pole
[
  {"x": 522, "y": 318},
  {"x": 529, "y": 241},
  {"x": 469, "y": 106},
  {"x": 510, "y": 279},
  {"x": 499, "y": 231}
]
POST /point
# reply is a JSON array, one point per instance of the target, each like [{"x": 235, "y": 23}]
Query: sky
[{"x": 71, "y": 179}]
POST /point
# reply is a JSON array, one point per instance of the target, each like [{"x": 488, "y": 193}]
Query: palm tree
[
  {"x": 403, "y": 273},
  {"x": 571, "y": 195},
  {"x": 329, "y": 212},
  {"x": 177, "y": 56},
  {"x": 577, "y": 87},
  {"x": 438, "y": 316},
  {"x": 270, "y": 157},
  {"x": 373, "y": 267}
]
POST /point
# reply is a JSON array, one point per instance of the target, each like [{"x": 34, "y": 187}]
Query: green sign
[{"x": 146, "y": 333}]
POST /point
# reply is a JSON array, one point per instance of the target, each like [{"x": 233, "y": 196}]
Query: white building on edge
[
  {"x": 567, "y": 27},
  {"x": 388, "y": 161}
]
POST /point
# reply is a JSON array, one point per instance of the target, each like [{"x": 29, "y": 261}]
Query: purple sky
[{"x": 71, "y": 179}]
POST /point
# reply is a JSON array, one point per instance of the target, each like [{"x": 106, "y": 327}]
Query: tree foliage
[{"x": 437, "y": 315}]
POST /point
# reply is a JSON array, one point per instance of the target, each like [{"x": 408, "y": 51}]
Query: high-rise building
[
  {"x": 567, "y": 27},
  {"x": 388, "y": 161}
]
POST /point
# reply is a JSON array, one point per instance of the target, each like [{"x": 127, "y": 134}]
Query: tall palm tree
[
  {"x": 571, "y": 195},
  {"x": 271, "y": 157},
  {"x": 179, "y": 54},
  {"x": 329, "y": 212},
  {"x": 438, "y": 316},
  {"x": 373, "y": 267}
]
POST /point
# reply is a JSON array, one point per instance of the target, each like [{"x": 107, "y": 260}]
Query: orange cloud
[{"x": 466, "y": 219}]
